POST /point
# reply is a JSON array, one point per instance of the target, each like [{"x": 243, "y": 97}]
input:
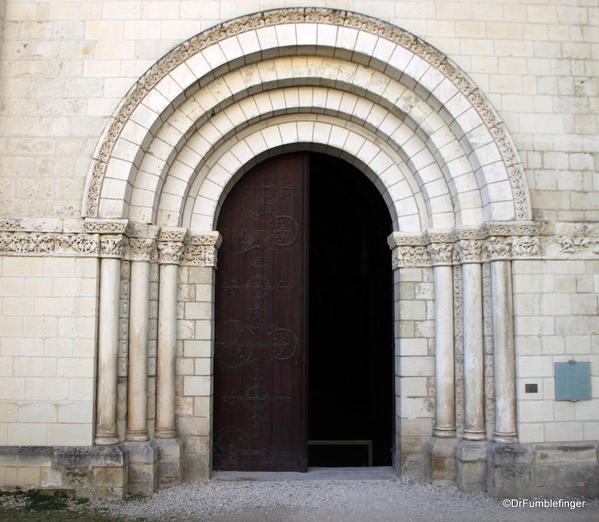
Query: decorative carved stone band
[
  {"x": 490, "y": 242},
  {"x": 49, "y": 244},
  {"x": 117, "y": 238}
]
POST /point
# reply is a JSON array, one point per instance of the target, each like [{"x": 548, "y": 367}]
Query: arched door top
[{"x": 389, "y": 72}]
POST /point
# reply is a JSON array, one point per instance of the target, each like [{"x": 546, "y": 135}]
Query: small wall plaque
[{"x": 572, "y": 381}]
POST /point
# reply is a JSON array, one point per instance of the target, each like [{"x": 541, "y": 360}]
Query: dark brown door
[{"x": 260, "y": 323}]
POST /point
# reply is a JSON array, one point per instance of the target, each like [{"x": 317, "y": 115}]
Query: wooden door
[{"x": 260, "y": 320}]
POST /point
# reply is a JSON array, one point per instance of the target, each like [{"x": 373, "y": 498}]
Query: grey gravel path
[{"x": 341, "y": 500}]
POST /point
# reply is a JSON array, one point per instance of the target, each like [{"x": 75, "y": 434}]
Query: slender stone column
[
  {"x": 142, "y": 250},
  {"x": 170, "y": 248},
  {"x": 474, "y": 419},
  {"x": 111, "y": 249},
  {"x": 498, "y": 252},
  {"x": 441, "y": 255},
  {"x": 504, "y": 351}
]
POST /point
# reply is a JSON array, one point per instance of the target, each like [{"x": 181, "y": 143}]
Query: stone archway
[{"x": 350, "y": 86}]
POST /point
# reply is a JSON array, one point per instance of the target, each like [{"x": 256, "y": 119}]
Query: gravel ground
[{"x": 346, "y": 500}]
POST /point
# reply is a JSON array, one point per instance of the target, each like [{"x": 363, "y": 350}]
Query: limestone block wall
[
  {"x": 67, "y": 64},
  {"x": 65, "y": 67},
  {"x": 2, "y": 17},
  {"x": 414, "y": 365},
  {"x": 194, "y": 368},
  {"x": 555, "y": 303},
  {"x": 47, "y": 350}
]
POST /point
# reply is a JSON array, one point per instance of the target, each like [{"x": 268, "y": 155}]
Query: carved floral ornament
[
  {"x": 107, "y": 238},
  {"x": 511, "y": 241},
  {"x": 123, "y": 239},
  {"x": 340, "y": 18}
]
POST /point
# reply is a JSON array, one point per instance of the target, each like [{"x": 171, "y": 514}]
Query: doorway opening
[
  {"x": 303, "y": 350},
  {"x": 350, "y": 380}
]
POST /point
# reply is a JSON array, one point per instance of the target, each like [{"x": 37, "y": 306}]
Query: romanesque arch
[{"x": 336, "y": 82}]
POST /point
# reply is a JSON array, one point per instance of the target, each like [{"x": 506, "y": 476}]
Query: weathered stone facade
[{"x": 476, "y": 121}]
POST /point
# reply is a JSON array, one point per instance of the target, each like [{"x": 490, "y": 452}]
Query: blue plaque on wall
[{"x": 572, "y": 381}]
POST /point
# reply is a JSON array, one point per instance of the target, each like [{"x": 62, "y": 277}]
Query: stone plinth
[
  {"x": 169, "y": 462},
  {"x": 92, "y": 472},
  {"x": 442, "y": 454},
  {"x": 544, "y": 470},
  {"x": 143, "y": 461},
  {"x": 471, "y": 466}
]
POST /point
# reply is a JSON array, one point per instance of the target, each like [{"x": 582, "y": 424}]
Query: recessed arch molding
[
  {"x": 359, "y": 40},
  {"x": 331, "y": 81}
]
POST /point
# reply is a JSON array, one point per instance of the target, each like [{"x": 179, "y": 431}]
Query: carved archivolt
[{"x": 298, "y": 16}]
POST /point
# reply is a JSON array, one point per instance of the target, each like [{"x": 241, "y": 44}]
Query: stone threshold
[{"x": 316, "y": 473}]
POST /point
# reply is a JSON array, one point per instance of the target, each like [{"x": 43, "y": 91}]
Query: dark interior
[{"x": 350, "y": 390}]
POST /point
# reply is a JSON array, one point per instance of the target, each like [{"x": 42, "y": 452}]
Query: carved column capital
[
  {"x": 497, "y": 248},
  {"x": 409, "y": 250},
  {"x": 410, "y": 256},
  {"x": 113, "y": 245},
  {"x": 469, "y": 250},
  {"x": 142, "y": 249},
  {"x": 441, "y": 253},
  {"x": 171, "y": 243},
  {"x": 201, "y": 249}
]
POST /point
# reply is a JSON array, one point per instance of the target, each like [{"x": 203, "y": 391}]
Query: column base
[
  {"x": 137, "y": 436},
  {"x": 444, "y": 433},
  {"x": 165, "y": 433},
  {"x": 505, "y": 438},
  {"x": 471, "y": 466},
  {"x": 441, "y": 452},
  {"x": 169, "y": 462},
  {"x": 106, "y": 439},
  {"x": 474, "y": 435},
  {"x": 143, "y": 459}
]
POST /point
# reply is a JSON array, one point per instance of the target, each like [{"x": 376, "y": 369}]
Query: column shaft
[
  {"x": 137, "y": 390},
  {"x": 474, "y": 420},
  {"x": 444, "y": 353},
  {"x": 167, "y": 344},
  {"x": 504, "y": 352},
  {"x": 108, "y": 341}
]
